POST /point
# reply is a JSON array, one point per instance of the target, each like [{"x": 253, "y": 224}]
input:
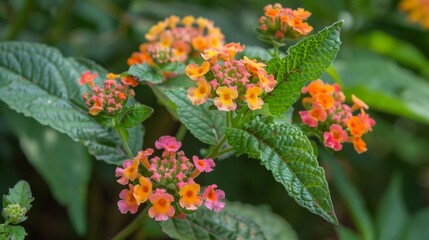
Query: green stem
[
  {"x": 276, "y": 50},
  {"x": 132, "y": 226},
  {"x": 122, "y": 135},
  {"x": 215, "y": 150},
  {"x": 226, "y": 150},
  {"x": 180, "y": 134},
  {"x": 18, "y": 22}
]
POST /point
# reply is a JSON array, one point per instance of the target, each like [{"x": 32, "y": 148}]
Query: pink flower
[
  {"x": 213, "y": 197},
  {"x": 128, "y": 172},
  {"x": 127, "y": 203},
  {"x": 161, "y": 208},
  {"x": 168, "y": 143},
  {"x": 313, "y": 116},
  {"x": 335, "y": 137},
  {"x": 203, "y": 165}
]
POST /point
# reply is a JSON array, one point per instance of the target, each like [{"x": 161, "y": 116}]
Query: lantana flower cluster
[
  {"x": 176, "y": 39},
  {"x": 283, "y": 23},
  {"x": 417, "y": 10},
  {"x": 166, "y": 183},
  {"x": 333, "y": 119},
  {"x": 110, "y": 98},
  {"x": 232, "y": 82}
]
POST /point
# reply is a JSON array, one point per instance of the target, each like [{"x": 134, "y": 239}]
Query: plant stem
[
  {"x": 276, "y": 50},
  {"x": 215, "y": 150},
  {"x": 132, "y": 226},
  {"x": 181, "y": 132},
  {"x": 122, "y": 135}
]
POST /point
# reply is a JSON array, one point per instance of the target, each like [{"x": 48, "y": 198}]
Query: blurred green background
[{"x": 381, "y": 194}]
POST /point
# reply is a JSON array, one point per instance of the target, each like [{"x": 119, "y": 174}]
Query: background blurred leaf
[
  {"x": 417, "y": 227},
  {"x": 63, "y": 163},
  {"x": 206, "y": 225},
  {"x": 272, "y": 225},
  {"x": 285, "y": 151},
  {"x": 383, "y": 85},
  {"x": 206, "y": 125},
  {"x": 39, "y": 82},
  {"x": 345, "y": 233},
  {"x": 351, "y": 198},
  {"x": 392, "y": 214}
]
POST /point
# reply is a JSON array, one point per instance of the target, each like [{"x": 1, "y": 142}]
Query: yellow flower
[
  {"x": 142, "y": 190},
  {"x": 200, "y": 94},
  {"x": 188, "y": 21},
  {"x": 252, "y": 98},
  {"x": 194, "y": 71},
  {"x": 189, "y": 198},
  {"x": 225, "y": 101}
]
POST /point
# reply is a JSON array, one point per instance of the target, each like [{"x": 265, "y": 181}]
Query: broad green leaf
[
  {"x": 180, "y": 81},
  {"x": 352, "y": 199},
  {"x": 134, "y": 115},
  {"x": 417, "y": 227},
  {"x": 19, "y": 194},
  {"x": 346, "y": 234},
  {"x": 12, "y": 233},
  {"x": 63, "y": 163},
  {"x": 305, "y": 61},
  {"x": 285, "y": 151},
  {"x": 206, "y": 125},
  {"x": 175, "y": 67},
  {"x": 383, "y": 85},
  {"x": 272, "y": 225},
  {"x": 144, "y": 72},
  {"x": 392, "y": 214},
  {"x": 206, "y": 225},
  {"x": 39, "y": 82}
]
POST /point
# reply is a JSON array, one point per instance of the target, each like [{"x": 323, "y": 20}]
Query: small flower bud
[{"x": 14, "y": 213}]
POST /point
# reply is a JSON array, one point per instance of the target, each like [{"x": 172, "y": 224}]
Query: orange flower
[
  {"x": 356, "y": 126},
  {"x": 325, "y": 100},
  {"x": 359, "y": 145},
  {"x": 88, "y": 78},
  {"x": 200, "y": 94},
  {"x": 252, "y": 98},
  {"x": 142, "y": 190},
  {"x": 418, "y": 11},
  {"x": 189, "y": 198},
  {"x": 266, "y": 82},
  {"x": 230, "y": 50},
  {"x": 200, "y": 43},
  {"x": 130, "y": 80},
  {"x": 225, "y": 101},
  {"x": 188, "y": 21},
  {"x": 194, "y": 71},
  {"x": 358, "y": 104},
  {"x": 252, "y": 65},
  {"x": 161, "y": 208}
]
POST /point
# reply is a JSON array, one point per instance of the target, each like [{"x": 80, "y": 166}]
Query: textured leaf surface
[
  {"x": 145, "y": 73},
  {"x": 393, "y": 90},
  {"x": 19, "y": 194},
  {"x": 305, "y": 61},
  {"x": 63, "y": 163},
  {"x": 285, "y": 151},
  {"x": 272, "y": 225},
  {"x": 134, "y": 115},
  {"x": 206, "y": 225},
  {"x": 206, "y": 125},
  {"x": 11, "y": 232},
  {"x": 39, "y": 82},
  {"x": 392, "y": 214}
]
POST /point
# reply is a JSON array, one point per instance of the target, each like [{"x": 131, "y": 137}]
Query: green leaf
[
  {"x": 392, "y": 214},
  {"x": 12, "y": 232},
  {"x": 206, "y": 225},
  {"x": 417, "y": 227},
  {"x": 272, "y": 225},
  {"x": 206, "y": 125},
  {"x": 354, "y": 202},
  {"x": 393, "y": 90},
  {"x": 63, "y": 163},
  {"x": 20, "y": 194},
  {"x": 175, "y": 67},
  {"x": 39, "y": 82},
  {"x": 134, "y": 115},
  {"x": 305, "y": 61},
  {"x": 144, "y": 72},
  {"x": 285, "y": 151}
]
